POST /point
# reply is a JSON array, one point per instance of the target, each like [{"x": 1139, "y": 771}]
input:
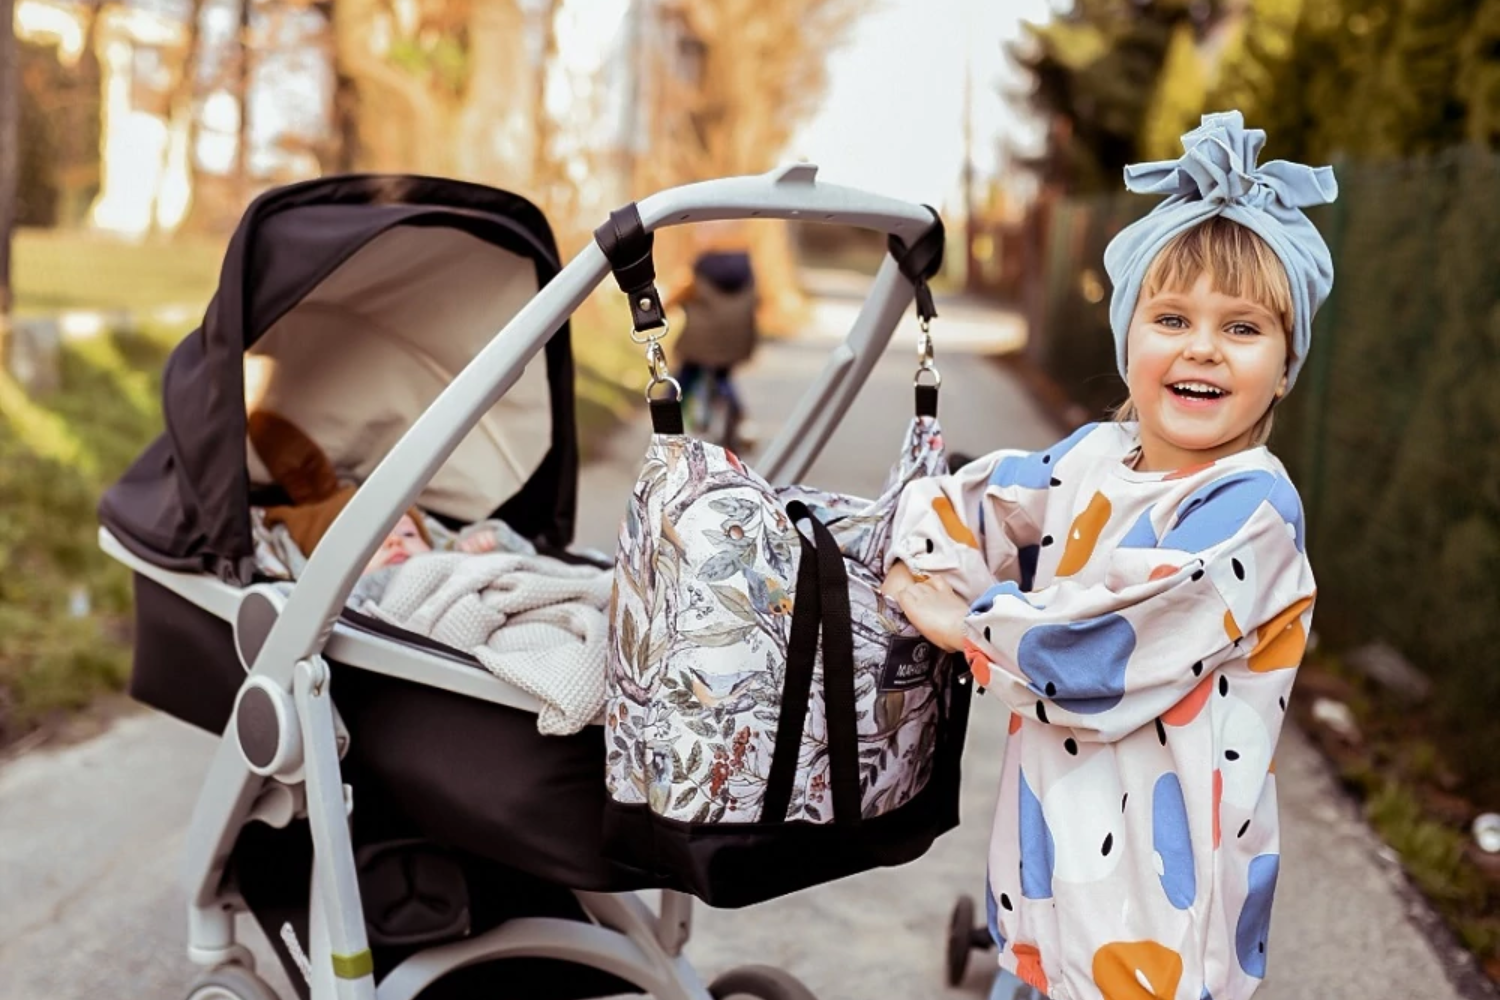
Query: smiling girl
[{"x": 1139, "y": 596}]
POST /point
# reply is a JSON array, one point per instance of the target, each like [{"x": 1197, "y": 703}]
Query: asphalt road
[{"x": 90, "y": 833}]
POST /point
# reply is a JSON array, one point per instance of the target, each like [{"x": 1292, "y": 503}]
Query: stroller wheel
[
  {"x": 231, "y": 982},
  {"x": 960, "y": 939},
  {"x": 761, "y": 982}
]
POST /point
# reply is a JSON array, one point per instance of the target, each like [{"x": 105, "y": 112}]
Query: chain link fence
[{"x": 1393, "y": 433}]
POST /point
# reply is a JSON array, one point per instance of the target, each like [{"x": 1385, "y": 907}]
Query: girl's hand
[
  {"x": 936, "y": 611},
  {"x": 479, "y": 543}
]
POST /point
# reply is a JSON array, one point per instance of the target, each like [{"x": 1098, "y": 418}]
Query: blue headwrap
[{"x": 1217, "y": 175}]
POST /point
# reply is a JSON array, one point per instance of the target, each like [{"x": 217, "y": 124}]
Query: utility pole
[{"x": 10, "y": 162}]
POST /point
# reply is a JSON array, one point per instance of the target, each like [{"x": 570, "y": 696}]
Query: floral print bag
[{"x": 773, "y": 721}]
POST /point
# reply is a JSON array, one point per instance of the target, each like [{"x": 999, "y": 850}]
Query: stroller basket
[{"x": 380, "y": 803}]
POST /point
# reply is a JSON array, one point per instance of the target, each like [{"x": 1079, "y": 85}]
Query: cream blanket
[{"x": 537, "y": 623}]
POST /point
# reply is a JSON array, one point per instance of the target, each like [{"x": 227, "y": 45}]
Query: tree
[
  {"x": 439, "y": 86},
  {"x": 1096, "y": 79},
  {"x": 729, "y": 83},
  {"x": 10, "y": 114},
  {"x": 1366, "y": 78}
]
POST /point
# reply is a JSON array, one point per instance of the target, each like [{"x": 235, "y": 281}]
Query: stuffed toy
[{"x": 317, "y": 497}]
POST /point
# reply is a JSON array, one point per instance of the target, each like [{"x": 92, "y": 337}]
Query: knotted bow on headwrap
[{"x": 1217, "y": 175}]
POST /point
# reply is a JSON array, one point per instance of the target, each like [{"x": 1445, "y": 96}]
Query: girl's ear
[{"x": 1281, "y": 387}]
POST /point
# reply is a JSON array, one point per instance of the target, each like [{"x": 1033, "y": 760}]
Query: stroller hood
[{"x": 346, "y": 305}]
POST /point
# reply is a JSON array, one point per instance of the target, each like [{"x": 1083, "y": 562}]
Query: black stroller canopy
[{"x": 363, "y": 296}]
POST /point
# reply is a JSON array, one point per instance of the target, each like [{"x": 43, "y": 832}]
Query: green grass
[
  {"x": 58, "y": 452},
  {"x": 56, "y": 270},
  {"x": 56, "y": 456}
]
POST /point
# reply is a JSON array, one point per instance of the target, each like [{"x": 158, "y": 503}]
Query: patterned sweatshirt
[{"x": 1144, "y": 628}]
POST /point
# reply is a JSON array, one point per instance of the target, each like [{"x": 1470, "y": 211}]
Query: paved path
[{"x": 89, "y": 835}]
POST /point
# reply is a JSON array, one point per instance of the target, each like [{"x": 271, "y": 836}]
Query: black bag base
[{"x": 732, "y": 865}]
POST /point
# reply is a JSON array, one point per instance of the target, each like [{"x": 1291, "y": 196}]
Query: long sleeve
[
  {"x": 980, "y": 524},
  {"x": 1227, "y": 580}
]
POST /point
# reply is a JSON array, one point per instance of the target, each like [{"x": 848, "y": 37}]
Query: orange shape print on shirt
[
  {"x": 1187, "y": 709},
  {"x": 1084, "y": 535},
  {"x": 1232, "y": 627},
  {"x": 1163, "y": 571},
  {"x": 1137, "y": 970},
  {"x": 1187, "y": 471},
  {"x": 1280, "y": 642},
  {"x": 1029, "y": 966},
  {"x": 979, "y": 664},
  {"x": 953, "y": 524}
]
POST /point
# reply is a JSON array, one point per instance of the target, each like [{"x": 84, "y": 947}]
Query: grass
[
  {"x": 65, "y": 608},
  {"x": 1413, "y": 799},
  {"x": 56, "y": 270}
]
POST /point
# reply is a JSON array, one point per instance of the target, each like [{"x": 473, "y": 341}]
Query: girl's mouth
[{"x": 1197, "y": 394}]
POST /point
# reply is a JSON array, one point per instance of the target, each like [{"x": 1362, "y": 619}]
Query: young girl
[{"x": 1139, "y": 596}]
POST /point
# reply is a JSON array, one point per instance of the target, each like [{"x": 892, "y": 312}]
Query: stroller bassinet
[{"x": 474, "y": 841}]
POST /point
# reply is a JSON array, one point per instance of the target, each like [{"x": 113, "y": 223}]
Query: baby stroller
[{"x": 384, "y": 808}]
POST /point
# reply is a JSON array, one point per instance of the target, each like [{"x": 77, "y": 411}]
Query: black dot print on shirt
[
  {"x": 929, "y": 546},
  {"x": 1005, "y": 902},
  {"x": 1046, "y": 539},
  {"x": 1109, "y": 843},
  {"x": 1243, "y": 828},
  {"x": 1051, "y": 690},
  {"x": 986, "y": 633},
  {"x": 1124, "y": 799},
  {"x": 1046, "y": 459},
  {"x": 1282, "y": 699},
  {"x": 1161, "y": 733},
  {"x": 1239, "y": 569},
  {"x": 1231, "y": 755},
  {"x": 1056, "y": 481},
  {"x": 1198, "y": 669},
  {"x": 1071, "y": 745},
  {"x": 1041, "y": 711},
  {"x": 1197, "y": 573},
  {"x": 1223, "y": 686}
]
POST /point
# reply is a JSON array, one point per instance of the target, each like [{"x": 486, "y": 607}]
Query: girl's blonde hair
[{"x": 1238, "y": 262}]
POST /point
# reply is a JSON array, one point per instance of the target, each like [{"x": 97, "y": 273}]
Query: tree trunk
[
  {"x": 10, "y": 164},
  {"x": 494, "y": 140}
]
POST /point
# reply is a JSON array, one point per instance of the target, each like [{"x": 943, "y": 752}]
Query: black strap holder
[
  {"x": 920, "y": 261},
  {"x": 627, "y": 246},
  {"x": 821, "y": 602},
  {"x": 927, "y": 400},
  {"x": 666, "y": 416}
]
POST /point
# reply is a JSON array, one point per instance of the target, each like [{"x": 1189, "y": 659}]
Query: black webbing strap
[
  {"x": 666, "y": 416},
  {"x": 920, "y": 261},
  {"x": 927, "y": 400},
  {"x": 627, "y": 246},
  {"x": 822, "y": 599}
]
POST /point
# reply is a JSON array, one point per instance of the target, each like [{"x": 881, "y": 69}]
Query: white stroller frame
[{"x": 283, "y": 641}]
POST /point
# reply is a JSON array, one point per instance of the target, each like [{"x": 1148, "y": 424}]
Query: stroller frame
[{"x": 279, "y": 757}]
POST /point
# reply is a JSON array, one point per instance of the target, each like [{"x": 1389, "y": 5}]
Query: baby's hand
[
  {"x": 479, "y": 542},
  {"x": 936, "y": 611}
]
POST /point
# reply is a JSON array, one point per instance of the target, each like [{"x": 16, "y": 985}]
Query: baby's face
[
  {"x": 401, "y": 544},
  {"x": 1203, "y": 368}
]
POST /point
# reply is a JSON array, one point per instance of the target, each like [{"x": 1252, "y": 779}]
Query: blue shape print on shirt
[
  {"x": 1005, "y": 588},
  {"x": 992, "y": 915},
  {"x": 1215, "y": 513},
  {"x": 1254, "y": 926},
  {"x": 1038, "y": 850},
  {"x": 1141, "y": 534},
  {"x": 1035, "y": 471},
  {"x": 1079, "y": 665},
  {"x": 1173, "y": 842}
]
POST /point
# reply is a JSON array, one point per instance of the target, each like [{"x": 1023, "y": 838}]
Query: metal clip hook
[{"x": 924, "y": 358}]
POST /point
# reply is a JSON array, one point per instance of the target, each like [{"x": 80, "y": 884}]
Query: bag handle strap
[{"x": 822, "y": 600}]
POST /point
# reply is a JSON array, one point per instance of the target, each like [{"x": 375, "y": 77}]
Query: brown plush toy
[{"x": 300, "y": 468}]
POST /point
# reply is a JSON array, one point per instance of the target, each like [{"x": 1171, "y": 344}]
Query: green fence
[{"x": 1393, "y": 433}]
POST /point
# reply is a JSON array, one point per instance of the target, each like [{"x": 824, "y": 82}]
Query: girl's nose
[{"x": 1201, "y": 344}]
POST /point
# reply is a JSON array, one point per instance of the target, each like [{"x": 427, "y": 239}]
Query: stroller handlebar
[{"x": 790, "y": 193}]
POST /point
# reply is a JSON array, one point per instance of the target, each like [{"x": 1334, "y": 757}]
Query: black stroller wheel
[
  {"x": 960, "y": 939},
  {"x": 761, "y": 982},
  {"x": 231, "y": 982}
]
